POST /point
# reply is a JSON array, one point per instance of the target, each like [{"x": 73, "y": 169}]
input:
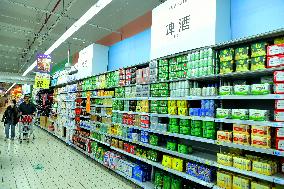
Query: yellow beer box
[
  {"x": 225, "y": 159},
  {"x": 177, "y": 164},
  {"x": 242, "y": 163},
  {"x": 240, "y": 182},
  {"x": 224, "y": 180},
  {"x": 167, "y": 161}
]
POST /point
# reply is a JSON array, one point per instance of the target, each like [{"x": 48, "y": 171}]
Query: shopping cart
[{"x": 26, "y": 128}]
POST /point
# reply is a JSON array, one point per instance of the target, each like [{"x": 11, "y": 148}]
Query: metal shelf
[
  {"x": 250, "y": 122},
  {"x": 210, "y": 141},
  {"x": 102, "y": 106},
  {"x": 160, "y": 166},
  {"x": 278, "y": 179},
  {"x": 129, "y": 112},
  {"x": 104, "y": 143}
]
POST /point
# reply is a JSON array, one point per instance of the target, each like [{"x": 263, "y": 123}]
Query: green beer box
[
  {"x": 242, "y": 53},
  {"x": 226, "y": 55}
]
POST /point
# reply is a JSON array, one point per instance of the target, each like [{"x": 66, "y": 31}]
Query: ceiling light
[
  {"x": 95, "y": 9},
  {"x": 10, "y": 88}
]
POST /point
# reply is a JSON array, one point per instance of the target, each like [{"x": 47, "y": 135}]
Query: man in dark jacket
[
  {"x": 10, "y": 119},
  {"x": 27, "y": 107}
]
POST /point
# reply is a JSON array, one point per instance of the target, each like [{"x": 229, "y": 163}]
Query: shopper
[
  {"x": 27, "y": 107},
  {"x": 10, "y": 119}
]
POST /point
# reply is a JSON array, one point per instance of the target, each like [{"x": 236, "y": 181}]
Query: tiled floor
[{"x": 48, "y": 163}]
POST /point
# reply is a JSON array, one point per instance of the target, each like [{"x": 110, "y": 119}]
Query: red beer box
[{"x": 275, "y": 49}]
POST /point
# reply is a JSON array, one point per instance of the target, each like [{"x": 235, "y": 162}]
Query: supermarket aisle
[{"x": 49, "y": 163}]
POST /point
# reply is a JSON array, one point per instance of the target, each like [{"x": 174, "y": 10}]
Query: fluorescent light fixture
[
  {"x": 10, "y": 88},
  {"x": 95, "y": 9}
]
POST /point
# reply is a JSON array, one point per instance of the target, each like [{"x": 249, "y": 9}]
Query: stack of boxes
[
  {"x": 142, "y": 90},
  {"x": 160, "y": 90},
  {"x": 178, "y": 67},
  {"x": 130, "y": 76},
  {"x": 130, "y": 105},
  {"x": 122, "y": 77},
  {"x": 142, "y": 106},
  {"x": 130, "y": 92},
  {"x": 119, "y": 92},
  {"x": 179, "y": 89},
  {"x": 242, "y": 60},
  {"x": 200, "y": 63},
  {"x": 153, "y": 68},
  {"x": 207, "y": 109},
  {"x": 112, "y": 79},
  {"x": 159, "y": 106},
  {"x": 275, "y": 55},
  {"x": 279, "y": 89},
  {"x": 279, "y": 108},
  {"x": 143, "y": 75},
  {"x": 226, "y": 57},
  {"x": 258, "y": 56},
  {"x": 163, "y": 70},
  {"x": 157, "y": 125}
]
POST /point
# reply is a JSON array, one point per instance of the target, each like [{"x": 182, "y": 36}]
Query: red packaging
[
  {"x": 126, "y": 147},
  {"x": 279, "y": 115},
  {"x": 275, "y": 61},
  {"x": 132, "y": 149},
  {"x": 278, "y": 76},
  {"x": 280, "y": 144},
  {"x": 275, "y": 49}
]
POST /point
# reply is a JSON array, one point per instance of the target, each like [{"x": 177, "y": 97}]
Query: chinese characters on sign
[{"x": 183, "y": 24}]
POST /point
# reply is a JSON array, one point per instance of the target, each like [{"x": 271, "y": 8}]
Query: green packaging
[
  {"x": 163, "y": 69},
  {"x": 242, "y": 89},
  {"x": 167, "y": 182},
  {"x": 226, "y": 54},
  {"x": 258, "y": 63},
  {"x": 184, "y": 122},
  {"x": 163, "y": 103},
  {"x": 154, "y": 140},
  {"x": 176, "y": 183},
  {"x": 242, "y": 65},
  {"x": 163, "y": 62},
  {"x": 152, "y": 155},
  {"x": 163, "y": 110},
  {"x": 226, "y": 67},
  {"x": 173, "y": 121},
  {"x": 158, "y": 179},
  {"x": 184, "y": 149},
  {"x": 242, "y": 114},
  {"x": 241, "y": 53},
  {"x": 226, "y": 90},
  {"x": 258, "y": 49},
  {"x": 171, "y": 146},
  {"x": 185, "y": 130},
  {"x": 260, "y": 89},
  {"x": 174, "y": 128}
]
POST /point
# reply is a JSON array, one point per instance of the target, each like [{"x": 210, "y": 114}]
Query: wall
[
  {"x": 133, "y": 50},
  {"x": 250, "y": 17}
]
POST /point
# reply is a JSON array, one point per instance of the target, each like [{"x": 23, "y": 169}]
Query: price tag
[
  {"x": 42, "y": 81},
  {"x": 165, "y": 168},
  {"x": 218, "y": 120},
  {"x": 207, "y": 162},
  {"x": 276, "y": 152},
  {"x": 219, "y": 142}
]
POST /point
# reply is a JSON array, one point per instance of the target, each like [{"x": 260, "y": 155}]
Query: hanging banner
[
  {"x": 88, "y": 102},
  {"x": 180, "y": 25},
  {"x": 43, "y": 63},
  {"x": 42, "y": 81}
]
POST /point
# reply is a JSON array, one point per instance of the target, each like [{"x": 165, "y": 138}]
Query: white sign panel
[
  {"x": 85, "y": 62},
  {"x": 179, "y": 25}
]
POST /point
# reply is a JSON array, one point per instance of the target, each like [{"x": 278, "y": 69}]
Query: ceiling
[{"x": 28, "y": 27}]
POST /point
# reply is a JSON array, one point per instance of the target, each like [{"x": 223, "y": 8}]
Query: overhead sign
[
  {"x": 43, "y": 63},
  {"x": 42, "y": 81},
  {"x": 85, "y": 62},
  {"x": 179, "y": 25}
]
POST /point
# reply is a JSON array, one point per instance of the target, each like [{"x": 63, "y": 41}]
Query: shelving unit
[{"x": 208, "y": 146}]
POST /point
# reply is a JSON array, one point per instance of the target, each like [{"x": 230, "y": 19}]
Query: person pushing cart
[{"x": 27, "y": 111}]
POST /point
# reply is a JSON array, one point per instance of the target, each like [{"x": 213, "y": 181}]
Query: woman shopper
[{"x": 10, "y": 119}]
